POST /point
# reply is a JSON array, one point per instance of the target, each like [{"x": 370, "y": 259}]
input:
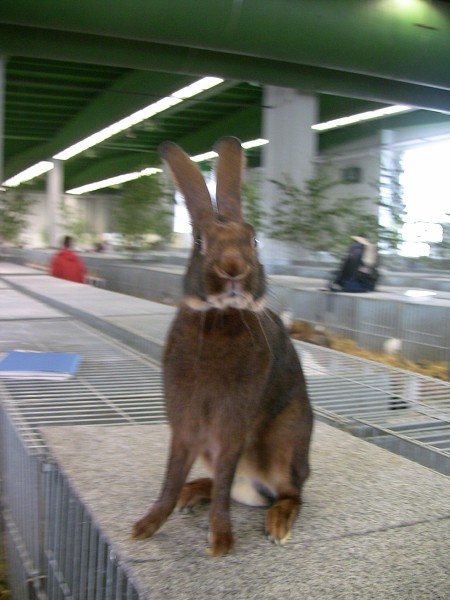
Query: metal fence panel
[
  {"x": 55, "y": 547},
  {"x": 55, "y": 550},
  {"x": 400, "y": 410},
  {"x": 80, "y": 561},
  {"x": 425, "y": 332},
  {"x": 21, "y": 477}
]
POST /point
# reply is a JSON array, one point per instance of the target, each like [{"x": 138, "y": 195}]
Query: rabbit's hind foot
[
  {"x": 195, "y": 492},
  {"x": 280, "y": 519}
]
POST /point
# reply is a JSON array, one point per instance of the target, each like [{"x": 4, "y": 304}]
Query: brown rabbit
[{"x": 234, "y": 388}]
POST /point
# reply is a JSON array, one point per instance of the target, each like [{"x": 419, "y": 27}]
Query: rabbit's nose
[{"x": 232, "y": 267}]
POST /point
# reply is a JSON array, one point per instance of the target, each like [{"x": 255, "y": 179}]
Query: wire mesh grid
[
  {"x": 55, "y": 549},
  {"x": 117, "y": 385},
  {"x": 19, "y": 467},
  {"x": 377, "y": 399},
  {"x": 424, "y": 329},
  {"x": 114, "y": 385},
  {"x": 23, "y": 578}
]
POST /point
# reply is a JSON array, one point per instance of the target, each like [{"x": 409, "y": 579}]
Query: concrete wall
[
  {"x": 364, "y": 157},
  {"x": 96, "y": 211}
]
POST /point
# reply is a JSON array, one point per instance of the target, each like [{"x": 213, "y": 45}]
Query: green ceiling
[{"x": 73, "y": 68}]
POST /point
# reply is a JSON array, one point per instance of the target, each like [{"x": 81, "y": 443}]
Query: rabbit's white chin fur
[
  {"x": 222, "y": 302},
  {"x": 239, "y": 301}
]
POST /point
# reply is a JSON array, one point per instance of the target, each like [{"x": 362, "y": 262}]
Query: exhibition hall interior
[{"x": 210, "y": 173}]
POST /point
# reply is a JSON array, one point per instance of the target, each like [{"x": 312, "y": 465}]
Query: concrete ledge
[
  {"x": 366, "y": 530},
  {"x": 140, "y": 323}
]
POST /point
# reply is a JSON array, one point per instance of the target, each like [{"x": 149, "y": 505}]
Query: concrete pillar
[
  {"x": 389, "y": 185},
  {"x": 2, "y": 114},
  {"x": 55, "y": 190},
  {"x": 287, "y": 121}
]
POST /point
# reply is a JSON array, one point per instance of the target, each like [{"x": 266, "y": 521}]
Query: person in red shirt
[{"x": 66, "y": 264}]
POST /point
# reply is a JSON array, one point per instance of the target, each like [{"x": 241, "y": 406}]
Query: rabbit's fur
[{"x": 234, "y": 389}]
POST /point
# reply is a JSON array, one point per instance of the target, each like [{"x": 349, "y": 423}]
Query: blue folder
[{"x": 39, "y": 365}]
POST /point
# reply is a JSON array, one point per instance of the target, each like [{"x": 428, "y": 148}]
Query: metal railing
[
  {"x": 56, "y": 550},
  {"x": 21, "y": 509},
  {"x": 422, "y": 327},
  {"x": 399, "y": 410},
  {"x": 79, "y": 560}
]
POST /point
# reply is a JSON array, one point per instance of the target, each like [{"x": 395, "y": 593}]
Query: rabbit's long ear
[
  {"x": 229, "y": 174},
  {"x": 190, "y": 182}
]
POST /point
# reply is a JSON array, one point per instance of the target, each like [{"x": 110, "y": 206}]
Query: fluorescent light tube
[
  {"x": 141, "y": 115},
  {"x": 34, "y": 171},
  {"x": 112, "y": 181},
  {"x": 255, "y": 143},
  {"x": 197, "y": 87},
  {"x": 205, "y": 156},
  {"x": 97, "y": 185},
  {"x": 364, "y": 116},
  {"x": 245, "y": 145}
]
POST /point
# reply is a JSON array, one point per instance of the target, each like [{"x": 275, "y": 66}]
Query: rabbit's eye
[{"x": 200, "y": 242}]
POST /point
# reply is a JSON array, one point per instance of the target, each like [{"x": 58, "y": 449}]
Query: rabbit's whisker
[
  {"x": 249, "y": 329},
  {"x": 217, "y": 315},
  {"x": 266, "y": 313},
  {"x": 258, "y": 318}
]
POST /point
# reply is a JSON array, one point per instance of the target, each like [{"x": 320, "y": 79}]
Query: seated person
[
  {"x": 66, "y": 264},
  {"x": 358, "y": 271}
]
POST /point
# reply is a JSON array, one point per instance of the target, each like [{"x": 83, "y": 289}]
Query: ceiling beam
[
  {"x": 381, "y": 38},
  {"x": 48, "y": 44}
]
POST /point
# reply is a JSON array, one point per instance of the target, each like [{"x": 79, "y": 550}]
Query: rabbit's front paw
[
  {"x": 220, "y": 543},
  {"x": 147, "y": 526}
]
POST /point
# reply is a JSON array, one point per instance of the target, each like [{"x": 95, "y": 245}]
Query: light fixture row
[
  {"x": 155, "y": 108},
  {"x": 141, "y": 115},
  {"x": 97, "y": 185},
  {"x": 364, "y": 116},
  {"x": 34, "y": 171}
]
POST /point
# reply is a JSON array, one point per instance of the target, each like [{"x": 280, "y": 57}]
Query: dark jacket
[{"x": 358, "y": 271}]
